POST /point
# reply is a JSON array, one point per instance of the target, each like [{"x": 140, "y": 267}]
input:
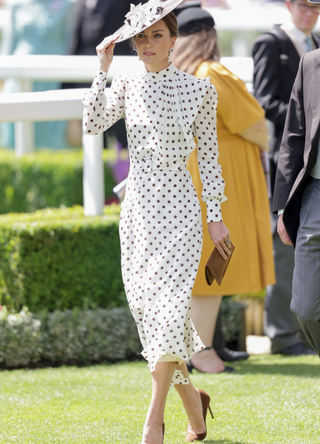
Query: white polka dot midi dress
[{"x": 160, "y": 222}]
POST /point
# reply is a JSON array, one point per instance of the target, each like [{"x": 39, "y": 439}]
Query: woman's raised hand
[{"x": 105, "y": 52}]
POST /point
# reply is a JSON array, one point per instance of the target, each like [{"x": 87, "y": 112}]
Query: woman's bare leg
[
  {"x": 161, "y": 379},
  {"x": 204, "y": 312},
  {"x": 191, "y": 401}
]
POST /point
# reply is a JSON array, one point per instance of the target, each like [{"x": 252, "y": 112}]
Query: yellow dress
[{"x": 246, "y": 213}]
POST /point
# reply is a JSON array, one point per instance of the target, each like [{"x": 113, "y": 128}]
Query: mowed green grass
[{"x": 269, "y": 399}]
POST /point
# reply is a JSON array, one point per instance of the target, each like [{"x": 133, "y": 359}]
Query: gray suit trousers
[
  {"x": 280, "y": 324},
  {"x": 306, "y": 277}
]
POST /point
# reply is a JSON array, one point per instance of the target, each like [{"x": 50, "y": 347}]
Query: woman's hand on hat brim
[
  {"x": 105, "y": 52},
  {"x": 106, "y": 42}
]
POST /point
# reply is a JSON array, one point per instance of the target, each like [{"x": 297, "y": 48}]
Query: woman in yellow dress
[{"x": 242, "y": 137}]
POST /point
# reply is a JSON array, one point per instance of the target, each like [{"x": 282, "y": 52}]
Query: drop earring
[{"x": 170, "y": 52}]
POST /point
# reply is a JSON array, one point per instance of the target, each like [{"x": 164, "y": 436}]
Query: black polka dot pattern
[{"x": 160, "y": 223}]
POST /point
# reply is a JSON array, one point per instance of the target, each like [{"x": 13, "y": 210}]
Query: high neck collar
[{"x": 161, "y": 75}]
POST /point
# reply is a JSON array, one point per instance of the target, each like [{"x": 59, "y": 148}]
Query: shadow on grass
[{"x": 304, "y": 370}]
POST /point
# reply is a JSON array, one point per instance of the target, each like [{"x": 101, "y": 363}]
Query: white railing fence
[{"x": 26, "y": 107}]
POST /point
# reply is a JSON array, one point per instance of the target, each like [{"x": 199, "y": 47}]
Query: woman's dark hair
[
  {"x": 193, "y": 49},
  {"x": 171, "y": 23}
]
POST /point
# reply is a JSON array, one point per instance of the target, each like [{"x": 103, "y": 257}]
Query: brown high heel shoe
[{"x": 191, "y": 435}]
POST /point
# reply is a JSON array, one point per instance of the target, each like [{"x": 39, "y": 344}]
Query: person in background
[
  {"x": 219, "y": 343},
  {"x": 160, "y": 221},
  {"x": 242, "y": 137},
  {"x": 297, "y": 193},
  {"x": 272, "y": 1},
  {"x": 215, "y": 4},
  {"x": 276, "y": 57},
  {"x": 93, "y": 20}
]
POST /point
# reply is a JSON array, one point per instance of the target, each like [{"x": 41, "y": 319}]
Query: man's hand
[{"x": 284, "y": 236}]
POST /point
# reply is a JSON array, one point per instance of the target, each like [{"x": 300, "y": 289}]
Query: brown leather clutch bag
[{"x": 217, "y": 266}]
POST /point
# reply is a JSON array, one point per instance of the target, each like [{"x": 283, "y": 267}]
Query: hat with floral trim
[{"x": 143, "y": 16}]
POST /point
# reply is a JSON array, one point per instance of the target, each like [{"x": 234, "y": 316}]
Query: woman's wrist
[{"x": 104, "y": 68}]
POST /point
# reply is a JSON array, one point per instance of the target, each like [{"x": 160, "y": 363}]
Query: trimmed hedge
[
  {"x": 80, "y": 337},
  {"x": 67, "y": 338},
  {"x": 45, "y": 179},
  {"x": 60, "y": 259}
]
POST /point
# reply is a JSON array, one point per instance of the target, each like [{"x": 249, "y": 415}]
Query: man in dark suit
[
  {"x": 276, "y": 57},
  {"x": 297, "y": 192},
  {"x": 94, "y": 20}
]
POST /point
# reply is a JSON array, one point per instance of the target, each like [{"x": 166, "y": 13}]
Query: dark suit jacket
[
  {"x": 93, "y": 24},
  {"x": 276, "y": 63},
  {"x": 299, "y": 148}
]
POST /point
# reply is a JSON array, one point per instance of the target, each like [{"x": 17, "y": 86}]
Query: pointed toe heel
[{"x": 191, "y": 435}]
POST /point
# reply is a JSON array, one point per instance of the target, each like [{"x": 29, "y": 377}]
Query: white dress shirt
[{"x": 299, "y": 37}]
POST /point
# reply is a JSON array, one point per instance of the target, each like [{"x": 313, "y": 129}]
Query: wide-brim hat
[{"x": 143, "y": 16}]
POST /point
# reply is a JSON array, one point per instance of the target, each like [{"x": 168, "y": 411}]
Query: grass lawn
[{"x": 269, "y": 399}]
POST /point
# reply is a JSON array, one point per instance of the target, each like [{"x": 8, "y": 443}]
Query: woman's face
[{"x": 153, "y": 45}]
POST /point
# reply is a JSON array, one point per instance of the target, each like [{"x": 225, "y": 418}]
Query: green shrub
[
  {"x": 244, "y": 296},
  {"x": 44, "y": 179},
  {"x": 60, "y": 259},
  {"x": 19, "y": 338},
  {"x": 231, "y": 318},
  {"x": 71, "y": 337}
]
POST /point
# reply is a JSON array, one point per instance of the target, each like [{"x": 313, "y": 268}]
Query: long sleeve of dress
[
  {"x": 208, "y": 153},
  {"x": 109, "y": 104}
]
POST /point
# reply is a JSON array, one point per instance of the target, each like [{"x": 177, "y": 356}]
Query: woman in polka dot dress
[{"x": 165, "y": 111}]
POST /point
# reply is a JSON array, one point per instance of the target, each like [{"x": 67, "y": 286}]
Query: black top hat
[
  {"x": 191, "y": 20},
  {"x": 185, "y": 5}
]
